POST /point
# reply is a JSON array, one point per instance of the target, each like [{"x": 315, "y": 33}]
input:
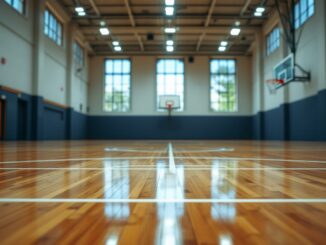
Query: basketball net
[
  {"x": 274, "y": 84},
  {"x": 169, "y": 107}
]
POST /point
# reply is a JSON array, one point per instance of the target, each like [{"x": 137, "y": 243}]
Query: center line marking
[
  {"x": 168, "y": 200},
  {"x": 172, "y": 167}
]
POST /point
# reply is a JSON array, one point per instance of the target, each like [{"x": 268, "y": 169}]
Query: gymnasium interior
[{"x": 163, "y": 122}]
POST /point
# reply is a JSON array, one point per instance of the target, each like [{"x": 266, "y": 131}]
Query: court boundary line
[
  {"x": 154, "y": 168},
  {"x": 154, "y": 200},
  {"x": 158, "y": 157}
]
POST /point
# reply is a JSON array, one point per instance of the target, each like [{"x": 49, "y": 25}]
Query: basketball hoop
[
  {"x": 169, "y": 107},
  {"x": 169, "y": 103},
  {"x": 274, "y": 84}
]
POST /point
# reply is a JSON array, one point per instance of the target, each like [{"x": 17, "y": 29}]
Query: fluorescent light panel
[
  {"x": 169, "y": 48},
  {"x": 115, "y": 43},
  {"x": 169, "y": 11},
  {"x": 224, "y": 43},
  {"x": 235, "y": 31},
  {"x": 104, "y": 31},
  {"x": 81, "y": 13},
  {"x": 260, "y": 9},
  {"x": 170, "y": 30},
  {"x": 169, "y": 42},
  {"x": 258, "y": 14},
  {"x": 79, "y": 9},
  {"x": 169, "y": 2},
  {"x": 221, "y": 48},
  {"x": 117, "y": 48}
]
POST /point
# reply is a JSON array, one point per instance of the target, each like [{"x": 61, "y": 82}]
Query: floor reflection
[
  {"x": 116, "y": 186},
  {"x": 225, "y": 239},
  {"x": 170, "y": 186},
  {"x": 221, "y": 188}
]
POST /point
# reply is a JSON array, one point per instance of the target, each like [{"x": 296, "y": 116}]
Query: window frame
[
  {"x": 104, "y": 85},
  {"x": 11, "y": 5},
  {"x": 57, "y": 22},
  {"x": 300, "y": 13},
  {"x": 236, "y": 86},
  {"x": 270, "y": 42},
  {"x": 82, "y": 49},
  {"x": 184, "y": 83}
]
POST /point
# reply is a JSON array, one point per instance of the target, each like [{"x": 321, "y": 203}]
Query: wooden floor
[{"x": 153, "y": 192}]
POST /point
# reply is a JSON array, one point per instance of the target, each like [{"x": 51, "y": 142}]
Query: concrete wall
[{"x": 196, "y": 84}]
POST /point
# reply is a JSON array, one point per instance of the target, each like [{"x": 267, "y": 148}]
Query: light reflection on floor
[
  {"x": 222, "y": 189},
  {"x": 116, "y": 186},
  {"x": 170, "y": 185}
]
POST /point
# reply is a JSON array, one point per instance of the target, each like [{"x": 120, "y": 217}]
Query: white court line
[
  {"x": 172, "y": 167},
  {"x": 155, "y": 168},
  {"x": 157, "y": 157},
  {"x": 84, "y": 159},
  {"x": 190, "y": 200},
  {"x": 252, "y": 159}
]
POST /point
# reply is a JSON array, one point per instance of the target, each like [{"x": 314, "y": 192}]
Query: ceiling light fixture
[
  {"x": 258, "y": 14},
  {"x": 224, "y": 43},
  {"x": 81, "y": 13},
  {"x": 104, "y": 31},
  {"x": 170, "y": 30},
  {"x": 235, "y": 31},
  {"x": 169, "y": 48},
  {"x": 79, "y": 9},
  {"x": 169, "y": 2},
  {"x": 221, "y": 48},
  {"x": 115, "y": 43},
  {"x": 117, "y": 49},
  {"x": 260, "y": 9},
  {"x": 169, "y": 42},
  {"x": 169, "y": 11}
]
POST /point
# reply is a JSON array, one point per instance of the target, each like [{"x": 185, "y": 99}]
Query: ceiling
[{"x": 201, "y": 24}]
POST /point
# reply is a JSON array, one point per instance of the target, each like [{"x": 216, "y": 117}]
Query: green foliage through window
[
  {"x": 223, "y": 85},
  {"x": 117, "y": 85}
]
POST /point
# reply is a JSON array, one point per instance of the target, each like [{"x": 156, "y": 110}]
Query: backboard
[
  {"x": 285, "y": 69},
  {"x": 169, "y": 102}
]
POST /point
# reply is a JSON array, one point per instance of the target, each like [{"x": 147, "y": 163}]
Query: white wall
[
  {"x": 17, "y": 42},
  {"x": 143, "y": 85},
  {"x": 16, "y": 46}
]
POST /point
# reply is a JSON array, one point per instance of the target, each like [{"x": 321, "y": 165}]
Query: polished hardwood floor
[{"x": 154, "y": 192}]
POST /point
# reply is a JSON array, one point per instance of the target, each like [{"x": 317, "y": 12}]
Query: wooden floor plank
[{"x": 210, "y": 170}]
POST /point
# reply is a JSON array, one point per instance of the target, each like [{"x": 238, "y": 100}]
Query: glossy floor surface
[{"x": 161, "y": 192}]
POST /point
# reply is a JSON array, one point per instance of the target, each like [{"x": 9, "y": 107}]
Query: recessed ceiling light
[
  {"x": 260, "y": 9},
  {"x": 102, "y": 23},
  {"x": 104, "y": 31},
  {"x": 170, "y": 30},
  {"x": 169, "y": 11},
  {"x": 115, "y": 43},
  {"x": 224, "y": 43},
  {"x": 117, "y": 48},
  {"x": 169, "y": 48},
  {"x": 237, "y": 23},
  {"x": 81, "y": 13},
  {"x": 169, "y": 42},
  {"x": 258, "y": 14},
  {"x": 169, "y": 2},
  {"x": 235, "y": 31},
  {"x": 79, "y": 9},
  {"x": 221, "y": 48}
]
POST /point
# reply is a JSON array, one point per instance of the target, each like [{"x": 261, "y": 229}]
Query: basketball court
[{"x": 163, "y": 122}]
